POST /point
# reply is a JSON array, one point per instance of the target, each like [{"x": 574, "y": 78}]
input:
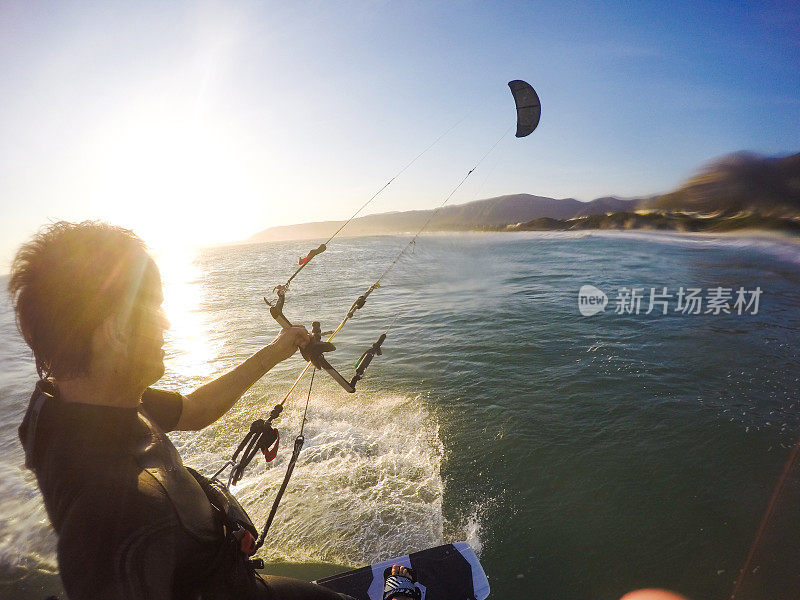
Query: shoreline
[{"x": 744, "y": 233}]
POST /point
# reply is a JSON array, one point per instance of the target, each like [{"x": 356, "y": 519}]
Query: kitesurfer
[{"x": 132, "y": 521}]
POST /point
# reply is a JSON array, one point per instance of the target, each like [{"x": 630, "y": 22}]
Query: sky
[{"x": 205, "y": 122}]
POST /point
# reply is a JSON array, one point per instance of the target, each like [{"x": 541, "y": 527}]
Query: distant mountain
[
  {"x": 758, "y": 191},
  {"x": 492, "y": 213}
]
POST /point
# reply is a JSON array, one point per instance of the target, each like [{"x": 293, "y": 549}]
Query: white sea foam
[
  {"x": 367, "y": 485},
  {"x": 27, "y": 540},
  {"x": 472, "y": 531}
]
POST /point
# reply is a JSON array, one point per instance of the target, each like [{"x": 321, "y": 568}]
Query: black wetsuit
[{"x": 132, "y": 522}]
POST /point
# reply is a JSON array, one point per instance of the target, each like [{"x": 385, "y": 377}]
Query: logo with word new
[
  {"x": 591, "y": 300},
  {"x": 631, "y": 300}
]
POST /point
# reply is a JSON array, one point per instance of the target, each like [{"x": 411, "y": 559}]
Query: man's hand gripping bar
[{"x": 315, "y": 349}]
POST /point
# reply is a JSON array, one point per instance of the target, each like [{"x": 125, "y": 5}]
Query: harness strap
[
  {"x": 34, "y": 410},
  {"x": 231, "y": 563}
]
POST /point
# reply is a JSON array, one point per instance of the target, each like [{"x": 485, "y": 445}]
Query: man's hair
[{"x": 66, "y": 282}]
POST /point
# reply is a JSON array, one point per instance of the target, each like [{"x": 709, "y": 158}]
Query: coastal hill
[
  {"x": 741, "y": 182},
  {"x": 740, "y": 190},
  {"x": 737, "y": 192},
  {"x": 492, "y": 213}
]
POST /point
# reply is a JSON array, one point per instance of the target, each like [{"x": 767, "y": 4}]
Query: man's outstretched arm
[{"x": 211, "y": 400}]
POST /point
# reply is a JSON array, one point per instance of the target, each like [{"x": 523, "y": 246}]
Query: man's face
[{"x": 147, "y": 324}]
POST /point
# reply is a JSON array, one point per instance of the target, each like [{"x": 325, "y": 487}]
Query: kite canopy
[{"x": 529, "y": 109}]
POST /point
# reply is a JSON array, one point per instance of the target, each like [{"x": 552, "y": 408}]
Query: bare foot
[{"x": 403, "y": 572}]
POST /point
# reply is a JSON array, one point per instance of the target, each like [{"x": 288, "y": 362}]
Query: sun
[{"x": 175, "y": 179}]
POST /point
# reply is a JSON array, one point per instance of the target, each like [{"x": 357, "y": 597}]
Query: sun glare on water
[{"x": 189, "y": 353}]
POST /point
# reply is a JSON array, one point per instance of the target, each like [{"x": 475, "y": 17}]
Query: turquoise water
[{"x": 582, "y": 456}]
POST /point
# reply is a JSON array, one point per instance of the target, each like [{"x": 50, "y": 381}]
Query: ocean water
[{"x": 582, "y": 456}]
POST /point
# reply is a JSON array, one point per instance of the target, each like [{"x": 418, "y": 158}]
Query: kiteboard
[{"x": 449, "y": 572}]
